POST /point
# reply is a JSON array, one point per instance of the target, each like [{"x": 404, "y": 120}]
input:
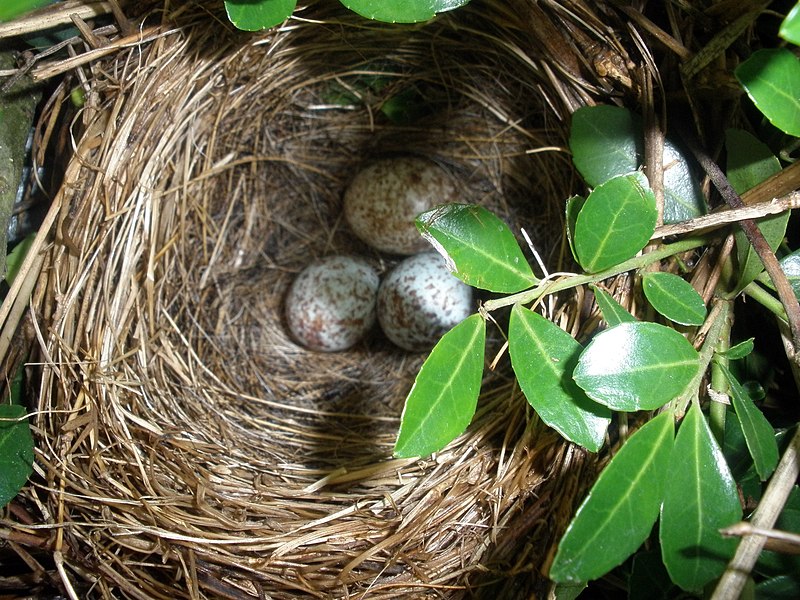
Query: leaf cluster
[{"x": 648, "y": 368}]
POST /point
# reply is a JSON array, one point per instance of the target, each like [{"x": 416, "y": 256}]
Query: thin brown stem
[{"x": 754, "y": 236}]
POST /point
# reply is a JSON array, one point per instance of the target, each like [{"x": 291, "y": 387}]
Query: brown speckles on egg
[
  {"x": 384, "y": 198},
  {"x": 331, "y": 303},
  {"x": 420, "y": 300}
]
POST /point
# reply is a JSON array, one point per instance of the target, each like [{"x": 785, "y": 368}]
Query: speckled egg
[
  {"x": 330, "y": 306},
  {"x": 385, "y": 197},
  {"x": 420, "y": 300}
]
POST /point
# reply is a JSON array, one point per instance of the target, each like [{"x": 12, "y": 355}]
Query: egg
[
  {"x": 420, "y": 300},
  {"x": 385, "y": 197},
  {"x": 330, "y": 305}
]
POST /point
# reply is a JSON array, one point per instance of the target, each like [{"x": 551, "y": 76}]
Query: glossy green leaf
[
  {"x": 749, "y": 163},
  {"x": 734, "y": 447},
  {"x": 758, "y": 433},
  {"x": 636, "y": 366},
  {"x": 616, "y": 222},
  {"x": 445, "y": 393},
  {"x": 401, "y": 11},
  {"x": 771, "y": 77},
  {"x": 790, "y": 28},
  {"x": 613, "y": 312},
  {"x": 791, "y": 266},
  {"x": 621, "y": 508},
  {"x": 543, "y": 357},
  {"x": 740, "y": 350},
  {"x": 607, "y": 141},
  {"x": 478, "y": 247},
  {"x": 254, "y": 15},
  {"x": 674, "y": 297},
  {"x": 700, "y": 498},
  {"x": 683, "y": 196},
  {"x": 16, "y": 451}
]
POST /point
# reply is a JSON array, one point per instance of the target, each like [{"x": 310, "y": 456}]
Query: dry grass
[{"x": 186, "y": 448}]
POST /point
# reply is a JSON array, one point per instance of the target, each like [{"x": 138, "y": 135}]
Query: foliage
[
  {"x": 771, "y": 78},
  {"x": 253, "y": 15},
  {"x": 10, "y": 9},
  {"x": 685, "y": 481},
  {"x": 16, "y": 444}
]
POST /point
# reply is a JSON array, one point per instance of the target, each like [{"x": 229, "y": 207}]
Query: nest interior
[{"x": 188, "y": 447}]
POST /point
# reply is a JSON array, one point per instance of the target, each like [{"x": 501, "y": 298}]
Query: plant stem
[
  {"x": 765, "y": 299},
  {"x": 754, "y": 236},
  {"x": 780, "y": 485},
  {"x": 547, "y": 286},
  {"x": 718, "y": 326},
  {"x": 719, "y": 383}
]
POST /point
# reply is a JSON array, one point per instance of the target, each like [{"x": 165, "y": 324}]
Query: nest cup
[{"x": 187, "y": 446}]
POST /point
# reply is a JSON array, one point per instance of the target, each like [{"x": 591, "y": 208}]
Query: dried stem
[{"x": 754, "y": 236}]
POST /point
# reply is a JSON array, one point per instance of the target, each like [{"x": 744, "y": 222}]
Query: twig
[
  {"x": 733, "y": 580},
  {"x": 777, "y": 540},
  {"x": 728, "y": 215},
  {"x": 53, "y": 16},
  {"x": 551, "y": 286},
  {"x": 754, "y": 236}
]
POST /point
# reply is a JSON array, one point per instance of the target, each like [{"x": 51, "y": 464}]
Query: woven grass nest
[{"x": 187, "y": 448}]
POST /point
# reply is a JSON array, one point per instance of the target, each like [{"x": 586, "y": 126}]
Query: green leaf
[
  {"x": 543, "y": 356},
  {"x": 790, "y": 28},
  {"x": 791, "y": 266},
  {"x": 445, "y": 393},
  {"x": 782, "y": 587},
  {"x": 478, "y": 247},
  {"x": 401, "y": 11},
  {"x": 607, "y": 141},
  {"x": 567, "y": 591},
  {"x": 739, "y": 350},
  {"x": 758, "y": 433},
  {"x": 683, "y": 196},
  {"x": 10, "y": 9},
  {"x": 700, "y": 499},
  {"x": 16, "y": 257},
  {"x": 775, "y": 563},
  {"x": 749, "y": 163},
  {"x": 616, "y": 222},
  {"x": 254, "y": 15},
  {"x": 674, "y": 297},
  {"x": 16, "y": 451},
  {"x": 771, "y": 77},
  {"x": 613, "y": 312},
  {"x": 619, "y": 512},
  {"x": 636, "y": 366}
]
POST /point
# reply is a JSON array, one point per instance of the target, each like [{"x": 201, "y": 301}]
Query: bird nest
[{"x": 186, "y": 446}]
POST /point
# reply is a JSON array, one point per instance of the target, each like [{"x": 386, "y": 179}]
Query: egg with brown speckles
[
  {"x": 330, "y": 306},
  {"x": 420, "y": 300},
  {"x": 385, "y": 197}
]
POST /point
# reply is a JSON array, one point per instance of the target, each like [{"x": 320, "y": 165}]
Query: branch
[
  {"x": 754, "y": 236},
  {"x": 733, "y": 580}
]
